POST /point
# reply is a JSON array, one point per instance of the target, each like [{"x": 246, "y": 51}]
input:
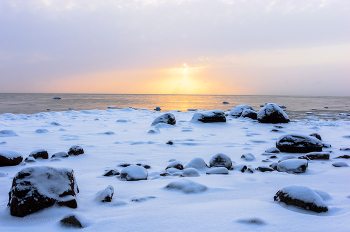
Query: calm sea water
[{"x": 40, "y": 102}]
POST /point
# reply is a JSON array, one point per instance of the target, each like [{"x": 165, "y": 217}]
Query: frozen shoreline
[{"x": 229, "y": 198}]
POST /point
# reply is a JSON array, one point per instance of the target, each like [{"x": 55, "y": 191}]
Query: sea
[{"x": 328, "y": 107}]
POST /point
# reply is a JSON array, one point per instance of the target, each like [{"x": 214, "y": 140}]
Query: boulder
[
  {"x": 340, "y": 164},
  {"x": 175, "y": 164},
  {"x": 105, "y": 195},
  {"x": 220, "y": 170},
  {"x": 292, "y": 166},
  {"x": 220, "y": 160},
  {"x": 111, "y": 172},
  {"x": 272, "y": 113},
  {"x": 41, "y": 153},
  {"x": 315, "y": 156},
  {"x": 298, "y": 143},
  {"x": 238, "y": 110},
  {"x": 75, "y": 150},
  {"x": 301, "y": 196},
  {"x": 210, "y": 116},
  {"x": 248, "y": 157},
  {"x": 248, "y": 113},
  {"x": 71, "y": 221},
  {"x": 190, "y": 172},
  {"x": 197, "y": 163},
  {"x": 10, "y": 158},
  {"x": 265, "y": 169},
  {"x": 37, "y": 188},
  {"x": 134, "y": 173},
  {"x": 167, "y": 118},
  {"x": 186, "y": 186}
]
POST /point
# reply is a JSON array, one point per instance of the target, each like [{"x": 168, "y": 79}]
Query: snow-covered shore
[{"x": 237, "y": 201}]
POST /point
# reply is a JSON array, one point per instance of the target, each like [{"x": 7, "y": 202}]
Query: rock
[
  {"x": 112, "y": 107},
  {"x": 252, "y": 221},
  {"x": 248, "y": 157},
  {"x": 7, "y": 133},
  {"x": 157, "y": 108},
  {"x": 287, "y": 157},
  {"x": 301, "y": 196},
  {"x": 197, "y": 163},
  {"x": 154, "y": 131},
  {"x": 10, "y": 158},
  {"x": 265, "y": 169},
  {"x": 344, "y": 149},
  {"x": 241, "y": 167},
  {"x": 220, "y": 160},
  {"x": 56, "y": 98},
  {"x": 146, "y": 166},
  {"x": 272, "y": 113},
  {"x": 40, "y": 131},
  {"x": 167, "y": 118},
  {"x": 190, "y": 172},
  {"x": 238, "y": 110},
  {"x": 175, "y": 164},
  {"x": 273, "y": 157},
  {"x": 316, "y": 135},
  {"x": 225, "y": 102},
  {"x": 170, "y": 142},
  {"x": 248, "y": 113},
  {"x": 274, "y": 165},
  {"x": 124, "y": 165},
  {"x": 192, "y": 109},
  {"x": 292, "y": 166},
  {"x": 174, "y": 171},
  {"x": 142, "y": 199},
  {"x": 273, "y": 150},
  {"x": 209, "y": 117},
  {"x": 186, "y": 186},
  {"x": 282, "y": 106},
  {"x": 298, "y": 143},
  {"x": 37, "y": 188},
  {"x": 249, "y": 170},
  {"x": 340, "y": 164},
  {"x": 61, "y": 154},
  {"x": 41, "y": 153},
  {"x": 75, "y": 150},
  {"x": 315, "y": 156},
  {"x": 105, "y": 195},
  {"x": 134, "y": 173},
  {"x": 71, "y": 221},
  {"x": 343, "y": 157},
  {"x": 111, "y": 172},
  {"x": 220, "y": 170},
  {"x": 29, "y": 160}
]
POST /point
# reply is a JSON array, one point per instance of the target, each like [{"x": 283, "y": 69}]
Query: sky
[{"x": 224, "y": 47}]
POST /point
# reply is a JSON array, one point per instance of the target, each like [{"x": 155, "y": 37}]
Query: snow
[
  {"x": 237, "y": 111},
  {"x": 232, "y": 201},
  {"x": 10, "y": 154}
]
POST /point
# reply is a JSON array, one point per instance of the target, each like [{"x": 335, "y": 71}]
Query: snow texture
[{"x": 186, "y": 186}]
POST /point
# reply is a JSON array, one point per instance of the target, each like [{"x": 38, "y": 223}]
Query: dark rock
[
  {"x": 142, "y": 199},
  {"x": 170, "y": 142},
  {"x": 301, "y": 196},
  {"x": 134, "y": 173},
  {"x": 252, "y": 221},
  {"x": 272, "y": 113},
  {"x": 242, "y": 168},
  {"x": 274, "y": 165},
  {"x": 112, "y": 172},
  {"x": 315, "y": 156},
  {"x": 75, "y": 150},
  {"x": 39, "y": 154},
  {"x": 275, "y": 130},
  {"x": 298, "y": 143},
  {"x": 167, "y": 118},
  {"x": 144, "y": 165},
  {"x": 209, "y": 117},
  {"x": 292, "y": 166},
  {"x": 316, "y": 135},
  {"x": 273, "y": 157},
  {"x": 238, "y": 110},
  {"x": 157, "y": 108},
  {"x": 37, "y": 188},
  {"x": 105, "y": 195},
  {"x": 29, "y": 160},
  {"x": 220, "y": 160},
  {"x": 265, "y": 169},
  {"x": 61, "y": 154},
  {"x": 344, "y": 149},
  {"x": 124, "y": 165},
  {"x": 249, "y": 170},
  {"x": 343, "y": 157},
  {"x": 175, "y": 164},
  {"x": 248, "y": 113},
  {"x": 70, "y": 222},
  {"x": 10, "y": 158}
]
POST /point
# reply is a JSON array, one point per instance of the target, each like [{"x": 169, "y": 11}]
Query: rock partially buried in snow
[
  {"x": 186, "y": 186},
  {"x": 111, "y": 172},
  {"x": 40, "y": 131},
  {"x": 190, "y": 172},
  {"x": 209, "y": 117},
  {"x": 134, "y": 173},
  {"x": 315, "y": 156},
  {"x": 220, "y": 170},
  {"x": 76, "y": 150},
  {"x": 298, "y": 143},
  {"x": 175, "y": 164},
  {"x": 248, "y": 113},
  {"x": 167, "y": 118},
  {"x": 252, "y": 221},
  {"x": 316, "y": 135},
  {"x": 303, "y": 197},
  {"x": 292, "y": 166},
  {"x": 7, "y": 133},
  {"x": 41, "y": 153},
  {"x": 10, "y": 158},
  {"x": 197, "y": 163},
  {"x": 238, "y": 110},
  {"x": 265, "y": 169},
  {"x": 273, "y": 150},
  {"x": 37, "y": 188},
  {"x": 70, "y": 221},
  {"x": 220, "y": 160},
  {"x": 340, "y": 164},
  {"x": 61, "y": 154},
  {"x": 105, "y": 195},
  {"x": 248, "y": 157},
  {"x": 272, "y": 113}
]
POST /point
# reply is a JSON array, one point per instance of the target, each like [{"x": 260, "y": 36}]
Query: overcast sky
[{"x": 176, "y": 46}]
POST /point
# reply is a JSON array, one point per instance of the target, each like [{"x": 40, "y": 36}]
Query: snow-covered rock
[
  {"x": 40, "y": 153},
  {"x": 111, "y": 172},
  {"x": 292, "y": 166},
  {"x": 265, "y": 169},
  {"x": 175, "y": 164},
  {"x": 316, "y": 135},
  {"x": 190, "y": 172},
  {"x": 287, "y": 157},
  {"x": 248, "y": 113},
  {"x": 40, "y": 131},
  {"x": 340, "y": 164},
  {"x": 187, "y": 186},
  {"x": 37, "y": 188},
  {"x": 272, "y": 150},
  {"x": 105, "y": 195},
  {"x": 298, "y": 143},
  {"x": 157, "y": 108},
  {"x": 238, "y": 110},
  {"x": 134, "y": 173},
  {"x": 219, "y": 170},
  {"x": 7, "y": 133},
  {"x": 315, "y": 156},
  {"x": 248, "y": 157},
  {"x": 272, "y": 113},
  {"x": 71, "y": 221},
  {"x": 167, "y": 118},
  {"x": 10, "y": 158},
  {"x": 209, "y": 116},
  {"x": 61, "y": 154},
  {"x": 301, "y": 196},
  {"x": 197, "y": 163},
  {"x": 75, "y": 150},
  {"x": 239, "y": 167},
  {"x": 29, "y": 160},
  {"x": 220, "y": 160}
]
